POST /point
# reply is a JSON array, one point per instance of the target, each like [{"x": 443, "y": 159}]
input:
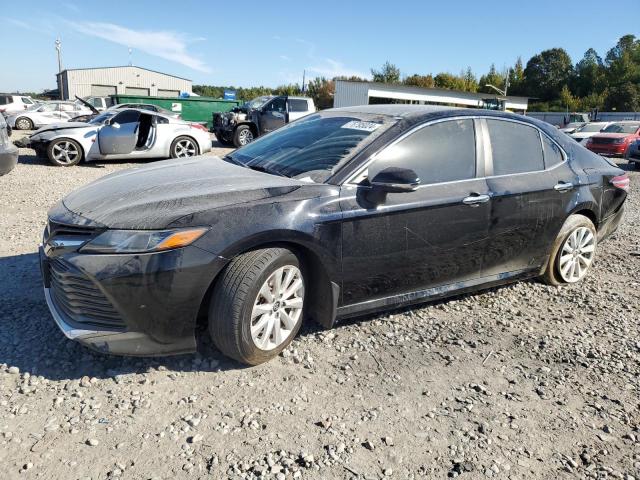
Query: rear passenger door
[
  {"x": 298, "y": 108},
  {"x": 531, "y": 186}
]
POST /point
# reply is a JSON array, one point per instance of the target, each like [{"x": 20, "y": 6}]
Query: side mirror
[{"x": 395, "y": 180}]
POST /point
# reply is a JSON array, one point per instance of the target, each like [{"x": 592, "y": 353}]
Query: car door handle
[
  {"x": 475, "y": 200},
  {"x": 563, "y": 187}
]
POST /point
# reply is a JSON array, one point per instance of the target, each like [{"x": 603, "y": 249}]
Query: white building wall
[
  {"x": 78, "y": 82},
  {"x": 348, "y": 94}
]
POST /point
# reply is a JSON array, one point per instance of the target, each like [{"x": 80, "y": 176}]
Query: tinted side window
[
  {"x": 516, "y": 148},
  {"x": 552, "y": 154},
  {"x": 442, "y": 152},
  {"x": 26, "y": 101},
  {"x": 296, "y": 105},
  {"x": 4, "y": 99},
  {"x": 128, "y": 116},
  {"x": 277, "y": 105}
]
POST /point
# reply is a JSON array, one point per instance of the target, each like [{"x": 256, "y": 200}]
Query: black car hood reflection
[{"x": 155, "y": 196}]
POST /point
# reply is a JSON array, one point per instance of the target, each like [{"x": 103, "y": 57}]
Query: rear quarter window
[
  {"x": 4, "y": 99},
  {"x": 516, "y": 148},
  {"x": 552, "y": 153},
  {"x": 298, "y": 105}
]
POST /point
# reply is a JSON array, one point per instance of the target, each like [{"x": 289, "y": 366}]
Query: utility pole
[
  {"x": 59, "y": 52},
  {"x": 304, "y": 74}
]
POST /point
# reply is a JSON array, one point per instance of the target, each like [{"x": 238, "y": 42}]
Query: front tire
[
  {"x": 64, "y": 152},
  {"x": 573, "y": 252},
  {"x": 24, "y": 123},
  {"x": 183, "y": 147},
  {"x": 243, "y": 136},
  {"x": 257, "y": 305}
]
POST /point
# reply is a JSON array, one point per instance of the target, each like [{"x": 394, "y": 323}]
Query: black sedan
[{"x": 341, "y": 213}]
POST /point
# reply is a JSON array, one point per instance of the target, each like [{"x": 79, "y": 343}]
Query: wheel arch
[
  {"x": 322, "y": 306},
  {"x": 589, "y": 210},
  {"x": 252, "y": 126}
]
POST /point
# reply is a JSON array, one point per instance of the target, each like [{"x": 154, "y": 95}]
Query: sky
[{"x": 253, "y": 43}]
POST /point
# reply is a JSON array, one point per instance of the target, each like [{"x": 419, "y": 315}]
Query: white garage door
[
  {"x": 102, "y": 90},
  {"x": 136, "y": 91},
  {"x": 168, "y": 93}
]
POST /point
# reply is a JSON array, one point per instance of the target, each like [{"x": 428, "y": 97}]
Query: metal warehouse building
[
  {"x": 349, "y": 93},
  {"x": 129, "y": 80}
]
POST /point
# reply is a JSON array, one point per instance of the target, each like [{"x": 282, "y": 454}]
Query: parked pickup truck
[{"x": 261, "y": 115}]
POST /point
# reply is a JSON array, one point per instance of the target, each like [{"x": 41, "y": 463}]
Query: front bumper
[
  {"x": 156, "y": 296},
  {"x": 8, "y": 158}
]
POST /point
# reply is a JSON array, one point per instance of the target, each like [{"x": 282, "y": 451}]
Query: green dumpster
[{"x": 192, "y": 109}]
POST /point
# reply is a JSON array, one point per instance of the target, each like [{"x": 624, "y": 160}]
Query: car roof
[{"x": 396, "y": 110}]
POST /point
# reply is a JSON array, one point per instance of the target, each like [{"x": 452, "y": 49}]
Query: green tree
[
  {"x": 568, "y": 100},
  {"x": 424, "y": 81},
  {"x": 589, "y": 75},
  {"x": 516, "y": 79},
  {"x": 492, "y": 78},
  {"x": 389, "y": 73},
  {"x": 470, "y": 80},
  {"x": 449, "y": 81},
  {"x": 322, "y": 91},
  {"x": 547, "y": 72}
]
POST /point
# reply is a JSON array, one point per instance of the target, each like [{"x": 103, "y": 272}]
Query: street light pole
[{"x": 59, "y": 52}]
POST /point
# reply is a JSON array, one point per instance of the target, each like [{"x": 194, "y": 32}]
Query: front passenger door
[
  {"x": 120, "y": 135},
  {"x": 274, "y": 115},
  {"x": 417, "y": 240}
]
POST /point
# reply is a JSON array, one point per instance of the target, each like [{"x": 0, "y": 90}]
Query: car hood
[
  {"x": 63, "y": 126},
  {"x": 611, "y": 135},
  {"x": 157, "y": 195}
]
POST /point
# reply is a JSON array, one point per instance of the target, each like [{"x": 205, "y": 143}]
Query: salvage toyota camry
[{"x": 341, "y": 213}]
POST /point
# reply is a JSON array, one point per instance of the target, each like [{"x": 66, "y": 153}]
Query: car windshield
[
  {"x": 314, "y": 147},
  {"x": 590, "y": 127},
  {"x": 258, "y": 102},
  {"x": 102, "y": 118},
  {"x": 622, "y": 128}
]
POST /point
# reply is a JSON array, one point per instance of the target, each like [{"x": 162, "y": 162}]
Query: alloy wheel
[
  {"x": 24, "y": 124},
  {"x": 245, "y": 137},
  {"x": 65, "y": 152},
  {"x": 277, "y": 309},
  {"x": 185, "y": 148},
  {"x": 577, "y": 254}
]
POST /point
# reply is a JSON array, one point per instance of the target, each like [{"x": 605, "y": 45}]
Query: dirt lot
[{"x": 524, "y": 381}]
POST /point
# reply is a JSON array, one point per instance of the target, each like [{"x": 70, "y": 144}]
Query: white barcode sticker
[{"x": 364, "y": 126}]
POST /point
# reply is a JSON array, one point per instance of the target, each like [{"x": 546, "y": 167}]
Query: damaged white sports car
[{"x": 119, "y": 134}]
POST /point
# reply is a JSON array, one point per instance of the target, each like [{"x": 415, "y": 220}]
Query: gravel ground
[{"x": 524, "y": 381}]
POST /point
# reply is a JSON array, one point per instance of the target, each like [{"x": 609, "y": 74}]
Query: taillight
[
  {"x": 201, "y": 127},
  {"x": 621, "y": 182}
]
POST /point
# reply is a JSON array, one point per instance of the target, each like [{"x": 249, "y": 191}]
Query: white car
[
  {"x": 119, "y": 134},
  {"x": 10, "y": 103},
  {"x": 588, "y": 130},
  {"x": 46, "y": 114}
]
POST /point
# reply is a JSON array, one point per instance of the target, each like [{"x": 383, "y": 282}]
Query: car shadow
[{"x": 31, "y": 341}]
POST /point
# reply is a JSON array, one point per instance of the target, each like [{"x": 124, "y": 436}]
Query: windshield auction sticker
[{"x": 364, "y": 126}]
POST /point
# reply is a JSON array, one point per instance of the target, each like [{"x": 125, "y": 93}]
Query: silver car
[
  {"x": 119, "y": 134},
  {"x": 46, "y": 114},
  {"x": 8, "y": 151}
]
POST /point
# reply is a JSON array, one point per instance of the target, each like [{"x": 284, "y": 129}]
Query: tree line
[{"x": 550, "y": 78}]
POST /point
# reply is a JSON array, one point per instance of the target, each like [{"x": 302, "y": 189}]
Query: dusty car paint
[{"x": 359, "y": 256}]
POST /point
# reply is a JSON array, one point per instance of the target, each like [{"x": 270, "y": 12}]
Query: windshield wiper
[{"x": 260, "y": 168}]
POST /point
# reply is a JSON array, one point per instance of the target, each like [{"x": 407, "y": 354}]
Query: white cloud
[
  {"x": 164, "y": 44},
  {"x": 331, "y": 68}
]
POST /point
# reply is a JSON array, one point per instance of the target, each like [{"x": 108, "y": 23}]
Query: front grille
[
  {"x": 602, "y": 140},
  {"x": 79, "y": 298},
  {"x": 56, "y": 229}
]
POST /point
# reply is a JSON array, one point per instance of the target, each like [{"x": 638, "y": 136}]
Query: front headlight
[
  {"x": 142, "y": 241},
  {"x": 618, "y": 141}
]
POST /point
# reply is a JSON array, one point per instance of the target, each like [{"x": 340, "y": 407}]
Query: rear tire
[
  {"x": 257, "y": 305},
  {"x": 183, "y": 147},
  {"x": 64, "y": 152},
  {"x": 573, "y": 252},
  {"x": 243, "y": 136},
  {"x": 24, "y": 123}
]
